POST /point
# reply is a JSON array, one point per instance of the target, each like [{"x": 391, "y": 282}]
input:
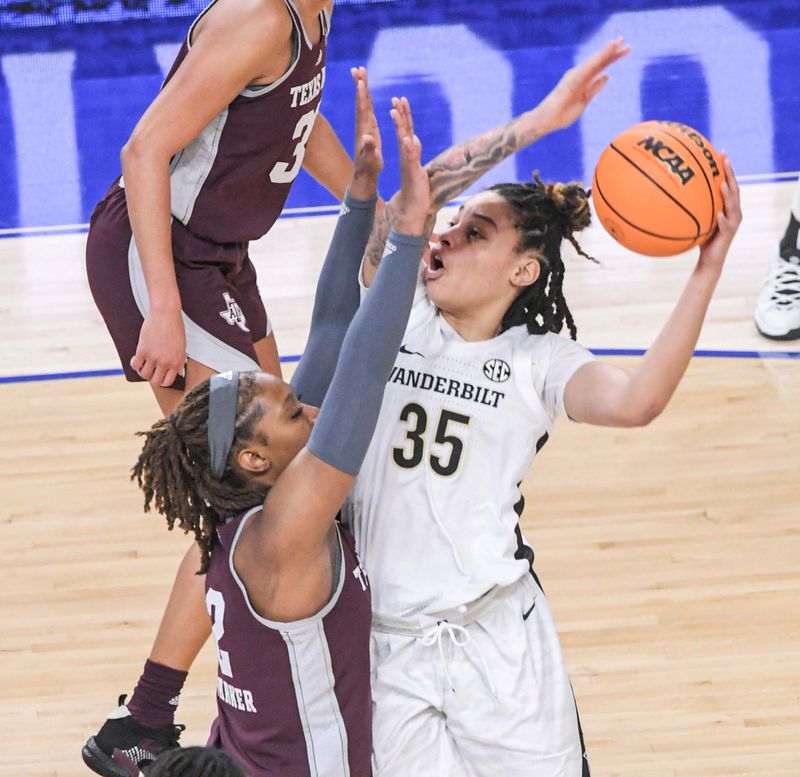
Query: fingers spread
[{"x": 609, "y": 54}]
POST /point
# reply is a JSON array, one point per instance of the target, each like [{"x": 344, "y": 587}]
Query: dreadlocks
[
  {"x": 545, "y": 214},
  {"x": 174, "y": 469},
  {"x": 195, "y": 762}
]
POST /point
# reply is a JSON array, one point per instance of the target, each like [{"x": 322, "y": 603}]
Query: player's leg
[
  {"x": 260, "y": 326},
  {"x": 185, "y": 625},
  {"x": 218, "y": 338},
  {"x": 107, "y": 268},
  {"x": 136, "y": 733},
  {"x": 267, "y": 352},
  {"x": 777, "y": 313},
  {"x": 168, "y": 398},
  {"x": 409, "y": 732},
  {"x": 512, "y": 711}
]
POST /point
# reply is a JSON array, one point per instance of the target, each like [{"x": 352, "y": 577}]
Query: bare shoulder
[{"x": 262, "y": 23}]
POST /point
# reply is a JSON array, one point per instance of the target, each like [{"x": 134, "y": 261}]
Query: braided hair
[
  {"x": 195, "y": 762},
  {"x": 174, "y": 470},
  {"x": 544, "y": 214}
]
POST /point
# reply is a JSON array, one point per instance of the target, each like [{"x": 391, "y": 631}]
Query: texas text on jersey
[{"x": 231, "y": 183}]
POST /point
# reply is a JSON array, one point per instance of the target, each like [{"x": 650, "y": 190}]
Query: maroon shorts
[{"x": 223, "y": 313}]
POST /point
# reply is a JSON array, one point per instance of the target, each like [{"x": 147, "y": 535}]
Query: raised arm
[
  {"x": 338, "y": 294},
  {"x": 455, "y": 170},
  {"x": 606, "y": 395},
  {"x": 301, "y": 505},
  {"x": 326, "y": 160}
]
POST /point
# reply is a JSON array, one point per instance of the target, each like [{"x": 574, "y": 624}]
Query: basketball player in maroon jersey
[
  {"x": 207, "y": 169},
  {"x": 259, "y": 478}
]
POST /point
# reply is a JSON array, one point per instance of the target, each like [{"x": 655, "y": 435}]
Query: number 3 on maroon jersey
[{"x": 283, "y": 172}]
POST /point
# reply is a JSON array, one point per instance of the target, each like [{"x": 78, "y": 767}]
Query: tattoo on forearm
[
  {"x": 379, "y": 235},
  {"x": 454, "y": 171}
]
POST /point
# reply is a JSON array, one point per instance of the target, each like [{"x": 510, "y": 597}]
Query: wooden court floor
[{"x": 671, "y": 554}]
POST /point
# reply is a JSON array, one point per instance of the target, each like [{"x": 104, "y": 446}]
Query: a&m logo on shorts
[
  {"x": 233, "y": 313},
  {"x": 497, "y": 370}
]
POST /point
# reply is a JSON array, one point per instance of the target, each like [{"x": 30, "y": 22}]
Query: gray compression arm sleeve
[
  {"x": 349, "y": 413},
  {"x": 336, "y": 301}
]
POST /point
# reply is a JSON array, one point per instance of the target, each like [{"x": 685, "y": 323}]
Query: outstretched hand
[
  {"x": 368, "y": 150},
  {"x": 413, "y": 203},
  {"x": 714, "y": 251},
  {"x": 579, "y": 85}
]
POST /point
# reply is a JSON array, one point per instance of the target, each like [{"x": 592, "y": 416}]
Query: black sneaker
[{"x": 124, "y": 748}]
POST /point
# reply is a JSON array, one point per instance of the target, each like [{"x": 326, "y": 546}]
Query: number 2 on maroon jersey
[{"x": 216, "y": 609}]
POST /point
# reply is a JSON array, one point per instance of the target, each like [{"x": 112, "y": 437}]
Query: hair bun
[{"x": 571, "y": 202}]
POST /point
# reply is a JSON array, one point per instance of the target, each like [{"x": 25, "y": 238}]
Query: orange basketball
[{"x": 656, "y": 188}]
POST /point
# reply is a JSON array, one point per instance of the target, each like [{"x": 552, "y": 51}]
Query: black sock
[{"x": 790, "y": 245}]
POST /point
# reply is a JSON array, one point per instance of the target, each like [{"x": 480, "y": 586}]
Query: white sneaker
[{"x": 778, "y": 307}]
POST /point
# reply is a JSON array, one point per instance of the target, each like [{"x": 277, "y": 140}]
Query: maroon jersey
[
  {"x": 293, "y": 698},
  {"x": 231, "y": 183}
]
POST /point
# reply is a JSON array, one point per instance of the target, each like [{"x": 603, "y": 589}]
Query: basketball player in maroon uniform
[
  {"x": 207, "y": 169},
  {"x": 259, "y": 478}
]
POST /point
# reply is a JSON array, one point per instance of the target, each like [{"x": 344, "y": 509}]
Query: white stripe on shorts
[{"x": 201, "y": 346}]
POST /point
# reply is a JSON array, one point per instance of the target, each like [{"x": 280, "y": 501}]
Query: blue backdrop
[{"x": 75, "y": 75}]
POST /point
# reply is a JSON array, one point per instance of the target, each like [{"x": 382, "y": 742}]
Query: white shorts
[{"x": 486, "y": 698}]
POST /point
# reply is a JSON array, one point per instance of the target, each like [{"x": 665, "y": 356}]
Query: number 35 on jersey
[{"x": 447, "y": 446}]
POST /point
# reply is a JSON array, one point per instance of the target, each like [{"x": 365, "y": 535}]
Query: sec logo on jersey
[{"x": 497, "y": 370}]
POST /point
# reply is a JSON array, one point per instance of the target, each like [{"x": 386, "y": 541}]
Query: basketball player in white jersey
[{"x": 468, "y": 676}]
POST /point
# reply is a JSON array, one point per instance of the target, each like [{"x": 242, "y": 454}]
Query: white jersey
[{"x": 433, "y": 508}]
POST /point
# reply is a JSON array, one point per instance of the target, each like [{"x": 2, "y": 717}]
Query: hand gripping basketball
[{"x": 714, "y": 251}]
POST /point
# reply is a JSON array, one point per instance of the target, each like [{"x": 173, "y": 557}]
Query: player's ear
[
  {"x": 254, "y": 459},
  {"x": 526, "y": 271}
]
